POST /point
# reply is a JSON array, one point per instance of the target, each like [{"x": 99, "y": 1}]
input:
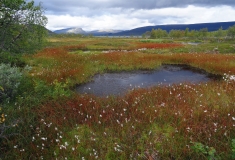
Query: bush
[
  {"x": 13, "y": 59},
  {"x": 10, "y": 78}
]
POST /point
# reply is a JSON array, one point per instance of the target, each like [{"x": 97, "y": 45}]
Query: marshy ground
[{"x": 180, "y": 121}]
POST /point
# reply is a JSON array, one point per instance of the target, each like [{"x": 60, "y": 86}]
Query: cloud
[
  {"x": 129, "y": 14},
  {"x": 118, "y": 22},
  {"x": 125, "y": 19},
  {"x": 67, "y": 5}
]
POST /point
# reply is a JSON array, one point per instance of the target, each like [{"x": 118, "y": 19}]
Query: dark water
[{"x": 119, "y": 83}]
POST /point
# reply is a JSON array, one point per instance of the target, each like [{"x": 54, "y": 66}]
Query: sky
[{"x": 129, "y": 14}]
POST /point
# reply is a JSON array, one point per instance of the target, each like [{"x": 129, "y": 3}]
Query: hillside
[{"x": 209, "y": 26}]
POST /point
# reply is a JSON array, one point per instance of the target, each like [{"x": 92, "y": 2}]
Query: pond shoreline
[{"x": 119, "y": 83}]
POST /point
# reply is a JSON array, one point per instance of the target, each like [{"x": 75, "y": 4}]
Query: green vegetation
[
  {"x": 41, "y": 117},
  {"x": 10, "y": 78},
  {"x": 201, "y": 34},
  {"x": 44, "y": 118},
  {"x": 21, "y": 26},
  {"x": 231, "y": 31}
]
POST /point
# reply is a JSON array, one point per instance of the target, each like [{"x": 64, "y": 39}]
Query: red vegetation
[
  {"x": 58, "y": 64},
  {"x": 184, "y": 107}
]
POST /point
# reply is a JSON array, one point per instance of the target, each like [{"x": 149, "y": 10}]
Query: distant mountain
[
  {"x": 75, "y": 30},
  {"x": 141, "y": 30},
  {"x": 104, "y": 32}
]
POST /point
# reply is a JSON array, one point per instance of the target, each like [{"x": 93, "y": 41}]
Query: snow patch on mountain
[{"x": 76, "y": 30}]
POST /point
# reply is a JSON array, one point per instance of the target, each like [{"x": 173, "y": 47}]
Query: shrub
[
  {"x": 10, "y": 78},
  {"x": 56, "y": 90},
  {"x": 13, "y": 59},
  {"x": 201, "y": 149}
]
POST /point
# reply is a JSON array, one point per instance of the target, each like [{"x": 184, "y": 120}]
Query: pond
[{"x": 120, "y": 83}]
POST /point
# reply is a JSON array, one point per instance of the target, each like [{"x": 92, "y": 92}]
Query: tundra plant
[{"x": 10, "y": 78}]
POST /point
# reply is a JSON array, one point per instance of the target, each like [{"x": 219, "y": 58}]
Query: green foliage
[
  {"x": 203, "y": 32},
  {"x": 21, "y": 26},
  {"x": 205, "y": 151},
  {"x": 233, "y": 148},
  {"x": 186, "y": 32},
  {"x": 231, "y": 31},
  {"x": 1, "y": 88},
  {"x": 177, "y": 33},
  {"x": 10, "y": 78},
  {"x": 219, "y": 33},
  {"x": 13, "y": 59},
  {"x": 57, "y": 89},
  {"x": 159, "y": 33},
  {"x": 146, "y": 34}
]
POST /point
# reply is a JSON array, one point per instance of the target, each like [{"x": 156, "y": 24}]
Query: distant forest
[{"x": 174, "y": 33}]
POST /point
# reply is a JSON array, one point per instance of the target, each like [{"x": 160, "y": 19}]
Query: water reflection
[{"x": 120, "y": 83}]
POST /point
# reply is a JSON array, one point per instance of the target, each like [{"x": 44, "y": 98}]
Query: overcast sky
[{"x": 128, "y": 14}]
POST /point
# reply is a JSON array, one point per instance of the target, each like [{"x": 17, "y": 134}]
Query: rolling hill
[{"x": 198, "y": 26}]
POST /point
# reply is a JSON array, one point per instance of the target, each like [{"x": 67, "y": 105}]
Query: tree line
[{"x": 202, "y": 33}]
